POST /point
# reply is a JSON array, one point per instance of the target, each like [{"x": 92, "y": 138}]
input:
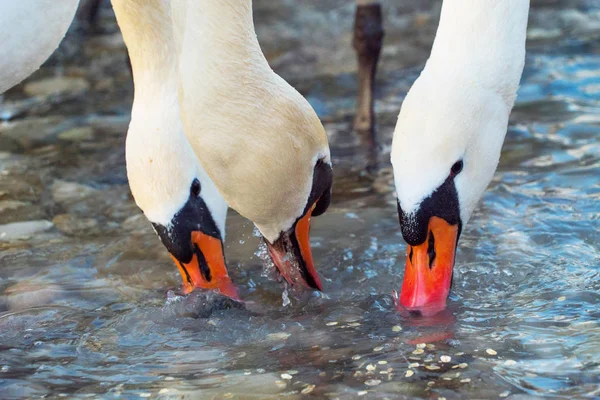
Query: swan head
[
  {"x": 265, "y": 148},
  {"x": 445, "y": 151},
  {"x": 182, "y": 203}
]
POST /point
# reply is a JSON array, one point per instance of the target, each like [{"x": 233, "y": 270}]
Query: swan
[
  {"x": 449, "y": 135},
  {"x": 166, "y": 179},
  {"x": 25, "y": 44},
  {"x": 258, "y": 139}
]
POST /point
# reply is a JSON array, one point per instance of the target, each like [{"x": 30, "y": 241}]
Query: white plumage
[
  {"x": 459, "y": 106},
  {"x": 30, "y": 31}
]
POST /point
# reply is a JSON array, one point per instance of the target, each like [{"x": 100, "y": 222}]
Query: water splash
[
  {"x": 285, "y": 296},
  {"x": 173, "y": 297},
  {"x": 269, "y": 270}
]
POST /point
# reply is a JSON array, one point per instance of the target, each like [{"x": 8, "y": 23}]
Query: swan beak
[
  {"x": 428, "y": 272},
  {"x": 207, "y": 269},
  {"x": 292, "y": 254}
]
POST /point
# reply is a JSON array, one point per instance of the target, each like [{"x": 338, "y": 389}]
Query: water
[{"x": 86, "y": 306}]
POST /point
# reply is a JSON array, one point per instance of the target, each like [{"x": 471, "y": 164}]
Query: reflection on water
[{"x": 86, "y": 305}]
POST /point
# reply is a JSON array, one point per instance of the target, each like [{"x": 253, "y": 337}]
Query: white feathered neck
[
  {"x": 483, "y": 40},
  {"x": 161, "y": 165}
]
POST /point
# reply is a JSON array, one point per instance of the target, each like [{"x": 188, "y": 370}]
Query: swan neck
[
  {"x": 147, "y": 32},
  {"x": 481, "y": 39},
  {"x": 222, "y": 31}
]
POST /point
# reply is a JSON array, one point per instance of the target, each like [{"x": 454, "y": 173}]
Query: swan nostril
[
  {"x": 431, "y": 249},
  {"x": 410, "y": 254},
  {"x": 415, "y": 313},
  {"x": 456, "y": 168}
]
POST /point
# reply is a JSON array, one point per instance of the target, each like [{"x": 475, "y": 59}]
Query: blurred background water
[{"x": 84, "y": 304}]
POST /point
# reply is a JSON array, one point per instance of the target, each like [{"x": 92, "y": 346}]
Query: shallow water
[{"x": 84, "y": 285}]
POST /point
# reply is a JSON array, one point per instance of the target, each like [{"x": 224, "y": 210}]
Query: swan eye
[
  {"x": 195, "y": 189},
  {"x": 456, "y": 168}
]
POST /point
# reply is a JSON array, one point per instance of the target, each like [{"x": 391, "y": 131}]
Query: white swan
[
  {"x": 165, "y": 177},
  {"x": 30, "y": 31},
  {"x": 449, "y": 135},
  {"x": 257, "y": 137}
]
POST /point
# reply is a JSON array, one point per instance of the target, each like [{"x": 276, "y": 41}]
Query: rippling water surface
[{"x": 85, "y": 301}]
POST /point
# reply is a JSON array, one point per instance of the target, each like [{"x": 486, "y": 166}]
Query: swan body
[
  {"x": 165, "y": 177},
  {"x": 449, "y": 134},
  {"x": 30, "y": 31},
  {"x": 257, "y": 137}
]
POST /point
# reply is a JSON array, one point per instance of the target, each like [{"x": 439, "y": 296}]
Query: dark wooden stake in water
[{"x": 367, "y": 41}]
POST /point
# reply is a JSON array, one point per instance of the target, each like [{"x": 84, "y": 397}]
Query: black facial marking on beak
[
  {"x": 204, "y": 268},
  {"x": 431, "y": 249},
  {"x": 442, "y": 203},
  {"x": 320, "y": 196},
  {"x": 321, "y": 189},
  {"x": 194, "y": 216},
  {"x": 184, "y": 269}
]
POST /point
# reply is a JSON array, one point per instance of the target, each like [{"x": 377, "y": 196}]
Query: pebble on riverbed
[
  {"x": 281, "y": 384},
  {"x": 72, "y": 225},
  {"x": 56, "y": 85},
  {"x": 78, "y": 134},
  {"x": 23, "y": 230},
  {"x": 278, "y": 336},
  {"x": 308, "y": 389}
]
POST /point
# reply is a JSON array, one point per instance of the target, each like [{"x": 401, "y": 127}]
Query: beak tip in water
[
  {"x": 428, "y": 271},
  {"x": 230, "y": 290},
  {"x": 207, "y": 269}
]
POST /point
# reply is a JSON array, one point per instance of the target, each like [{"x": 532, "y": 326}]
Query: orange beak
[
  {"x": 428, "y": 272},
  {"x": 207, "y": 268},
  {"x": 292, "y": 254}
]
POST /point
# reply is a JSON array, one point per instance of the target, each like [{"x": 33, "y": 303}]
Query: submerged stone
[
  {"x": 78, "y": 134},
  {"x": 23, "y": 230},
  {"x": 56, "y": 85},
  {"x": 70, "y": 224}
]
